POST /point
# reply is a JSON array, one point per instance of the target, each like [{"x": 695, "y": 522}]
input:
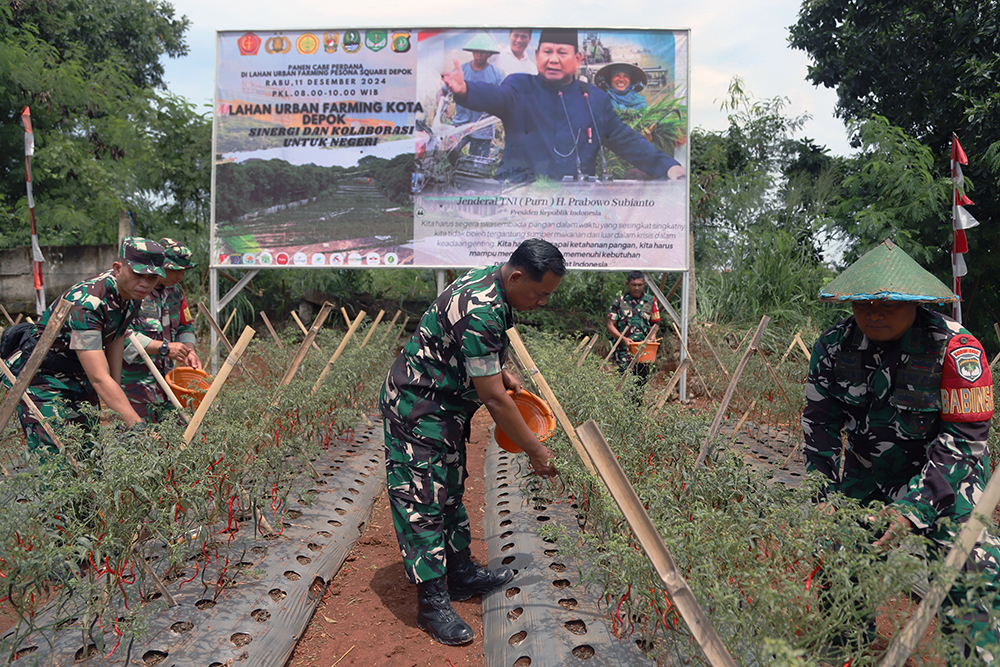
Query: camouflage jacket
[
  {"x": 164, "y": 316},
  {"x": 638, "y": 314},
  {"x": 428, "y": 395},
  {"x": 916, "y": 413},
  {"x": 99, "y": 316}
]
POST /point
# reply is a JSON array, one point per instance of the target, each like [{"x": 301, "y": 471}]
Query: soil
[{"x": 368, "y": 615}]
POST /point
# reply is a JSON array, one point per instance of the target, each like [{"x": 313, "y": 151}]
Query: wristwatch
[{"x": 164, "y": 349}]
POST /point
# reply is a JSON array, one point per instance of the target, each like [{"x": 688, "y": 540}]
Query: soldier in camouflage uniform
[
  {"x": 634, "y": 312},
  {"x": 912, "y": 389},
  {"x": 85, "y": 361},
  {"x": 451, "y": 366},
  {"x": 166, "y": 330}
]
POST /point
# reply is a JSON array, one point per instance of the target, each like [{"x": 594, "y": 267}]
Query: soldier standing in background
[
  {"x": 84, "y": 364},
  {"x": 912, "y": 389},
  {"x": 451, "y": 366},
  {"x": 634, "y": 312},
  {"x": 166, "y": 329}
]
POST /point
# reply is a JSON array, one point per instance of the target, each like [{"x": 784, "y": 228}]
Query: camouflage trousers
[
  {"x": 972, "y": 617},
  {"x": 427, "y": 511},
  {"x": 148, "y": 401}
]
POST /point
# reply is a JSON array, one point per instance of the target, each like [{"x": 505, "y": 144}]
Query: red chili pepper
[
  {"x": 196, "y": 568},
  {"x": 813, "y": 573}
]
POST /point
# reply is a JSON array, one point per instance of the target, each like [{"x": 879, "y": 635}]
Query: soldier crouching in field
[
  {"x": 84, "y": 363},
  {"x": 452, "y": 365},
  {"x": 912, "y": 390}
]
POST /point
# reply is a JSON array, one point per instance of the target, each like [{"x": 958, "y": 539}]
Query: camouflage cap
[
  {"x": 886, "y": 273},
  {"x": 178, "y": 256},
  {"x": 143, "y": 255}
]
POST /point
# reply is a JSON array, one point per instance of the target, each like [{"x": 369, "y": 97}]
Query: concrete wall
[{"x": 64, "y": 266}]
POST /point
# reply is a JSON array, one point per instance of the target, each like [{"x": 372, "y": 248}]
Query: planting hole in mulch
[
  {"x": 28, "y": 650},
  {"x": 150, "y": 658},
  {"x": 258, "y": 551},
  {"x": 503, "y": 512},
  {"x": 317, "y": 587},
  {"x": 340, "y": 511},
  {"x": 569, "y": 603},
  {"x": 517, "y": 637},
  {"x": 508, "y": 560},
  {"x": 240, "y": 639},
  {"x": 584, "y": 652},
  {"x": 292, "y": 576},
  {"x": 202, "y": 605},
  {"x": 149, "y": 597},
  {"x": 504, "y": 536},
  {"x": 523, "y": 661},
  {"x": 504, "y": 524},
  {"x": 576, "y": 626},
  {"x": 277, "y": 594},
  {"x": 260, "y": 615},
  {"x": 511, "y": 592},
  {"x": 323, "y": 533},
  {"x": 180, "y": 627},
  {"x": 561, "y": 583},
  {"x": 84, "y": 653},
  {"x": 335, "y": 524},
  {"x": 353, "y": 491},
  {"x": 557, "y": 567},
  {"x": 551, "y": 552},
  {"x": 293, "y": 514},
  {"x": 515, "y": 613},
  {"x": 312, "y": 546},
  {"x": 507, "y": 547},
  {"x": 542, "y": 517},
  {"x": 303, "y": 560}
]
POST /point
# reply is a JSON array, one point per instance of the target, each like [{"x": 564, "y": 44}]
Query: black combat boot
[
  {"x": 436, "y": 617},
  {"x": 466, "y": 577}
]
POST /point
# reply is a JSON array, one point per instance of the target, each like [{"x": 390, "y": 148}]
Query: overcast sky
[{"x": 728, "y": 38}]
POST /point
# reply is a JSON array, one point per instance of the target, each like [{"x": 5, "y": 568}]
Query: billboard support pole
[
  {"x": 685, "y": 314},
  {"x": 440, "y": 275},
  {"x": 213, "y": 309}
]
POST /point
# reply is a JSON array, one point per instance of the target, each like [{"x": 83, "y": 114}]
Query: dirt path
[{"x": 368, "y": 615}]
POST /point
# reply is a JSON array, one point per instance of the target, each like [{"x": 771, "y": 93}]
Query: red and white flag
[{"x": 961, "y": 221}]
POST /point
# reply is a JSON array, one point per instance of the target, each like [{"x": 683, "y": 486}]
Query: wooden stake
[
  {"x": 215, "y": 325},
  {"x": 638, "y": 353},
  {"x": 645, "y": 532},
  {"x": 710, "y": 348},
  {"x": 906, "y": 641},
  {"x": 30, "y": 366},
  {"x": 581, "y": 344},
  {"x": 18, "y": 318},
  {"x": 6, "y": 314},
  {"x": 295, "y": 316},
  {"x": 160, "y": 380},
  {"x": 621, "y": 335},
  {"x": 687, "y": 353},
  {"x": 37, "y": 414},
  {"x": 343, "y": 311},
  {"x": 403, "y": 329},
  {"x": 274, "y": 336},
  {"x": 674, "y": 379},
  {"x": 746, "y": 414},
  {"x": 717, "y": 422},
  {"x": 340, "y": 348},
  {"x": 391, "y": 325},
  {"x": 587, "y": 351},
  {"x": 536, "y": 375},
  {"x": 293, "y": 368},
  {"x": 371, "y": 329},
  {"x": 213, "y": 391},
  {"x": 222, "y": 334}
]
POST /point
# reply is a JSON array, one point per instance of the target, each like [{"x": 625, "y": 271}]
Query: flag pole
[
  {"x": 961, "y": 220},
  {"x": 36, "y": 250}
]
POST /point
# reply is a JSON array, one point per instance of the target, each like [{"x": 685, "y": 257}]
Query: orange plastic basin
[
  {"x": 648, "y": 354},
  {"x": 188, "y": 384},
  {"x": 537, "y": 415}
]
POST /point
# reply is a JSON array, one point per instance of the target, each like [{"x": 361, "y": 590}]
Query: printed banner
[{"x": 446, "y": 148}]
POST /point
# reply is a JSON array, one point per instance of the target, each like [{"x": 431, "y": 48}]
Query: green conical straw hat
[
  {"x": 482, "y": 42},
  {"x": 886, "y": 273}
]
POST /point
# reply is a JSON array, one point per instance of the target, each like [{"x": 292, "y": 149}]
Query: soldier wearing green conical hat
[
  {"x": 165, "y": 328},
  {"x": 85, "y": 362},
  {"x": 912, "y": 390}
]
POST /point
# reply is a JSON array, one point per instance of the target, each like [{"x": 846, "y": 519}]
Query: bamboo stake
[
  {"x": 687, "y": 355},
  {"x": 391, "y": 325},
  {"x": 371, "y": 329},
  {"x": 215, "y": 325},
  {"x": 160, "y": 380},
  {"x": 532, "y": 371},
  {"x": 6, "y": 314},
  {"x": 148, "y": 570},
  {"x": 403, "y": 329},
  {"x": 222, "y": 334},
  {"x": 28, "y": 369},
  {"x": 581, "y": 344},
  {"x": 274, "y": 335},
  {"x": 711, "y": 349},
  {"x": 717, "y": 422},
  {"x": 746, "y": 414},
  {"x": 340, "y": 348},
  {"x": 638, "y": 353},
  {"x": 343, "y": 311},
  {"x": 295, "y": 316},
  {"x": 621, "y": 335},
  {"x": 674, "y": 379},
  {"x": 996, "y": 326},
  {"x": 37, "y": 414},
  {"x": 587, "y": 351},
  {"x": 213, "y": 391},
  {"x": 659, "y": 556},
  {"x": 18, "y": 318},
  {"x": 293, "y": 368},
  {"x": 906, "y": 641}
]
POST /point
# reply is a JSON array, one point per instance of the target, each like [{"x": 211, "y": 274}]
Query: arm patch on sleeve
[{"x": 966, "y": 384}]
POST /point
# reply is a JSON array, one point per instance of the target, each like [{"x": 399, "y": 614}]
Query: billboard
[{"x": 447, "y": 147}]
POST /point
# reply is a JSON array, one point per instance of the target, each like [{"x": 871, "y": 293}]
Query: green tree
[
  {"x": 930, "y": 69},
  {"x": 107, "y": 137}
]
